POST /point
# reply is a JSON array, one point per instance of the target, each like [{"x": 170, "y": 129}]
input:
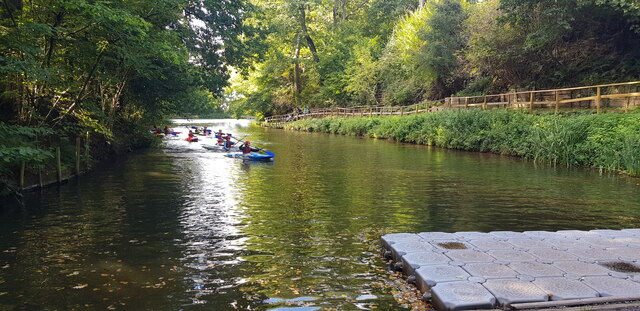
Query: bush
[{"x": 19, "y": 146}]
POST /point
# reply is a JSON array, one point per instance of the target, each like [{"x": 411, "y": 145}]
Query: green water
[{"x": 183, "y": 228}]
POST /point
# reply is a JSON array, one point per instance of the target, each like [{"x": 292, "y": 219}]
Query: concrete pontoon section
[{"x": 487, "y": 270}]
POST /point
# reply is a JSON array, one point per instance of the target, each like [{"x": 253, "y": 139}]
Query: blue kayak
[{"x": 265, "y": 156}]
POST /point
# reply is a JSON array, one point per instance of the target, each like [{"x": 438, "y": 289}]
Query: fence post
[
  {"x": 417, "y": 107},
  {"x": 22, "y": 175},
  {"x": 626, "y": 107},
  {"x": 86, "y": 153},
  {"x": 58, "y": 165},
  {"x": 401, "y": 111},
  {"x": 557, "y": 101},
  {"x": 466, "y": 103},
  {"x": 598, "y": 100},
  {"x": 77, "y": 155},
  {"x": 531, "y": 102},
  {"x": 485, "y": 105}
]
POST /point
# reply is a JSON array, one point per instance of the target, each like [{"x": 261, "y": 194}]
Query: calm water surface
[{"x": 183, "y": 228}]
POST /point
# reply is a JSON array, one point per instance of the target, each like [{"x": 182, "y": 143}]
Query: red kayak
[{"x": 192, "y": 139}]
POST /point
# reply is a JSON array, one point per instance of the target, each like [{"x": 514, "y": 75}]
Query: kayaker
[
  {"x": 166, "y": 130},
  {"x": 228, "y": 143},
  {"x": 246, "y": 147}
]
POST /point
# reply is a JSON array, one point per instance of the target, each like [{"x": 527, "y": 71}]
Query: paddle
[{"x": 242, "y": 142}]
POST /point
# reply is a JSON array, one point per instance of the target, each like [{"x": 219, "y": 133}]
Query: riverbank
[
  {"x": 605, "y": 141},
  {"x": 37, "y": 157}
]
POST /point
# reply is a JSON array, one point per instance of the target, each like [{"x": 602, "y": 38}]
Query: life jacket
[{"x": 246, "y": 148}]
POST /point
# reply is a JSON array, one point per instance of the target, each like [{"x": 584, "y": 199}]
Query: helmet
[{"x": 247, "y": 142}]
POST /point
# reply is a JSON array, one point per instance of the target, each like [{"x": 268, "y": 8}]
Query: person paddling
[
  {"x": 246, "y": 147},
  {"x": 228, "y": 143},
  {"x": 190, "y": 135}
]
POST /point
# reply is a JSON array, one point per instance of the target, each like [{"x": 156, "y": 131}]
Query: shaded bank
[
  {"x": 33, "y": 157},
  {"x": 609, "y": 141}
]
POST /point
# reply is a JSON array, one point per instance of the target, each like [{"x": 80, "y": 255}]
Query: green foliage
[
  {"x": 608, "y": 141},
  {"x": 19, "y": 146},
  {"x": 348, "y": 38},
  {"x": 403, "y": 78},
  {"x": 93, "y": 62},
  {"x": 372, "y": 52}
]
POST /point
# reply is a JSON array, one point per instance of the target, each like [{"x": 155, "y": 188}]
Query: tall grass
[{"x": 607, "y": 141}]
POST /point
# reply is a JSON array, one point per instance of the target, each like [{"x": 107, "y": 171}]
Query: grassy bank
[{"x": 607, "y": 141}]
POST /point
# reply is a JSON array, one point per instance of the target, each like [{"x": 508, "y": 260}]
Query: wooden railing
[{"x": 621, "y": 96}]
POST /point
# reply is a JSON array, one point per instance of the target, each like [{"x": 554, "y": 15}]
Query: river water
[{"x": 179, "y": 227}]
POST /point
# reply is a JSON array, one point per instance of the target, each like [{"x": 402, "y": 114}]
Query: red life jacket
[{"x": 246, "y": 149}]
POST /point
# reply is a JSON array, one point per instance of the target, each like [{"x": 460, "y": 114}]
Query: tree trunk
[
  {"x": 296, "y": 72},
  {"x": 51, "y": 42},
  {"x": 420, "y": 3},
  {"x": 305, "y": 33},
  {"x": 339, "y": 11}
]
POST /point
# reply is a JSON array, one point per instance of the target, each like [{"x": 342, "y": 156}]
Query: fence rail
[
  {"x": 70, "y": 160},
  {"x": 616, "y": 95}
]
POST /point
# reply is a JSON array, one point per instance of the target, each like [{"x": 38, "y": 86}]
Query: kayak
[
  {"x": 220, "y": 148},
  {"x": 192, "y": 139},
  {"x": 255, "y": 156}
]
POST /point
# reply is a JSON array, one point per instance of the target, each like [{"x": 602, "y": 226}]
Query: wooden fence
[
  {"x": 620, "y": 96},
  {"x": 69, "y": 161}
]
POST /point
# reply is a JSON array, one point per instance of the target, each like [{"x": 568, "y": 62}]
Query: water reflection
[{"x": 209, "y": 220}]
